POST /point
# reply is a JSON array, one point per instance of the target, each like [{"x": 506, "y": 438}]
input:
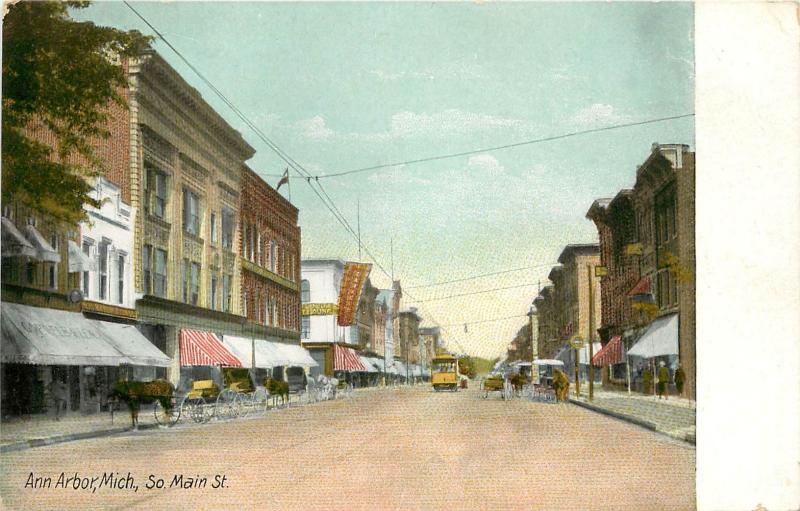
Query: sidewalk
[
  {"x": 33, "y": 431},
  {"x": 674, "y": 416}
]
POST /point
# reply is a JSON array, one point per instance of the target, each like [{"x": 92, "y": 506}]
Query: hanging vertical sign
[{"x": 355, "y": 274}]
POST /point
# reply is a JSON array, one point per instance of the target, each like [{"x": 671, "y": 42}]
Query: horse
[
  {"x": 136, "y": 393},
  {"x": 277, "y": 388}
]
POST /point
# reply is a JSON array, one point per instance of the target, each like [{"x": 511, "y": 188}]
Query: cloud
[
  {"x": 314, "y": 128},
  {"x": 595, "y": 115},
  {"x": 486, "y": 162}
]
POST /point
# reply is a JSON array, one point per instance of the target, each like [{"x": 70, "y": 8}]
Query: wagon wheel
[
  {"x": 225, "y": 408},
  {"x": 194, "y": 408},
  {"x": 244, "y": 404},
  {"x": 260, "y": 401},
  {"x": 167, "y": 416}
]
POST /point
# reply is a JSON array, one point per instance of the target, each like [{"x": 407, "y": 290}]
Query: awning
[
  {"x": 14, "y": 243},
  {"x": 642, "y": 287},
  {"x": 661, "y": 338},
  {"x": 401, "y": 368},
  {"x": 377, "y": 363},
  {"x": 548, "y": 362},
  {"x": 35, "y": 335},
  {"x": 242, "y": 348},
  {"x": 78, "y": 261},
  {"x": 368, "y": 366},
  {"x": 520, "y": 363},
  {"x": 346, "y": 359},
  {"x": 583, "y": 353},
  {"x": 200, "y": 348},
  {"x": 44, "y": 251},
  {"x": 131, "y": 343},
  {"x": 294, "y": 355},
  {"x": 612, "y": 353}
]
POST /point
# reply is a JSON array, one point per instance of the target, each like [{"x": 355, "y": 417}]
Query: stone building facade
[
  {"x": 578, "y": 263},
  {"x": 186, "y": 164},
  {"x": 269, "y": 260},
  {"x": 408, "y": 348}
]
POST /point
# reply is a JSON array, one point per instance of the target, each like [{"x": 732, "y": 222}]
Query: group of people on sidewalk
[{"x": 561, "y": 382}]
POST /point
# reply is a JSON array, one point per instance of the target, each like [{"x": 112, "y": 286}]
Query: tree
[{"x": 59, "y": 76}]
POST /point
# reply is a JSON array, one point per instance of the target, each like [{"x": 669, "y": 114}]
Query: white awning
[
  {"x": 583, "y": 353},
  {"x": 368, "y": 365},
  {"x": 131, "y": 343},
  {"x": 378, "y": 363},
  {"x": 34, "y": 335},
  {"x": 44, "y": 251},
  {"x": 14, "y": 243},
  {"x": 661, "y": 338},
  {"x": 268, "y": 354},
  {"x": 295, "y": 356},
  {"x": 78, "y": 261},
  {"x": 401, "y": 369},
  {"x": 548, "y": 362}
]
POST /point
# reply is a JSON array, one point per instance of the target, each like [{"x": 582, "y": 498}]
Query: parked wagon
[
  {"x": 497, "y": 383},
  {"x": 238, "y": 398}
]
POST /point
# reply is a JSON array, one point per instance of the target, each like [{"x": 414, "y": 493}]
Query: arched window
[{"x": 305, "y": 291}]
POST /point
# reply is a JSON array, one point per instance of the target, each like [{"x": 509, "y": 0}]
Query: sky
[{"x": 342, "y": 86}]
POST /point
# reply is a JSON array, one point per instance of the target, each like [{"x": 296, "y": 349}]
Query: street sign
[
  {"x": 600, "y": 271},
  {"x": 633, "y": 249},
  {"x": 576, "y": 342}
]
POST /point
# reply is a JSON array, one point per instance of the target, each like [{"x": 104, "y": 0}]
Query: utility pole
[
  {"x": 391, "y": 257},
  {"x": 591, "y": 331},
  {"x": 358, "y": 221}
]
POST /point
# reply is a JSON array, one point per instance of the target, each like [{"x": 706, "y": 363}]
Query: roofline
[{"x": 577, "y": 247}]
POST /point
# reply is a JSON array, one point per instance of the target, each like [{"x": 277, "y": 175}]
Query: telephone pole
[
  {"x": 358, "y": 221},
  {"x": 591, "y": 331}
]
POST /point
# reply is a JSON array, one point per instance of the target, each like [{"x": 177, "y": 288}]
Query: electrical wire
[
  {"x": 480, "y": 276},
  {"x": 478, "y": 292}
]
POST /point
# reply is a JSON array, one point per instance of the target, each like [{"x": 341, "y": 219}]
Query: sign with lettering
[
  {"x": 600, "y": 271},
  {"x": 355, "y": 274},
  {"x": 318, "y": 309}
]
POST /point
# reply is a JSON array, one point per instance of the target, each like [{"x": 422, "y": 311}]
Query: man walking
[
  {"x": 58, "y": 390},
  {"x": 663, "y": 380}
]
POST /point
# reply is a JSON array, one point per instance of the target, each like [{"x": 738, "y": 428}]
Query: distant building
[{"x": 408, "y": 350}]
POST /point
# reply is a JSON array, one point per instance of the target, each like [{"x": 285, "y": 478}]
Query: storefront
[{"x": 47, "y": 349}]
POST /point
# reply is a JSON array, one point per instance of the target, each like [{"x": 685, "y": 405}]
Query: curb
[
  {"x": 688, "y": 438},
  {"x": 43, "y": 442},
  {"x": 634, "y": 420}
]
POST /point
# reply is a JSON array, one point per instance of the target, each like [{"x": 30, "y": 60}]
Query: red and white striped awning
[
  {"x": 610, "y": 354},
  {"x": 200, "y": 348},
  {"x": 346, "y": 359}
]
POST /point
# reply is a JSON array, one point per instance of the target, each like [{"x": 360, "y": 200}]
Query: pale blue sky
[{"x": 340, "y": 86}]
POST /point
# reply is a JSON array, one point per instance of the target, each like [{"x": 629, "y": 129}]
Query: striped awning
[
  {"x": 346, "y": 359},
  {"x": 200, "y": 348},
  {"x": 612, "y": 353}
]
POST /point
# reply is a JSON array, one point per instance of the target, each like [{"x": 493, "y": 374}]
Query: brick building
[
  {"x": 616, "y": 224},
  {"x": 269, "y": 260},
  {"x": 664, "y": 203},
  {"x": 547, "y": 329},
  {"x": 408, "y": 348}
]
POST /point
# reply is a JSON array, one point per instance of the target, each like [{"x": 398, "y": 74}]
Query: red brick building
[
  {"x": 616, "y": 225},
  {"x": 270, "y": 257}
]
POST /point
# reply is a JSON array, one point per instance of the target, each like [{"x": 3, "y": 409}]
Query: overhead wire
[{"x": 464, "y": 279}]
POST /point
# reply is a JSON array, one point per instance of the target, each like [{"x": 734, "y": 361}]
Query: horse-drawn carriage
[
  {"x": 497, "y": 383},
  {"x": 238, "y": 397}
]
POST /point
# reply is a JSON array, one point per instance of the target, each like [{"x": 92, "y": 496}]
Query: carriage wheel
[
  {"x": 260, "y": 401},
  {"x": 225, "y": 408},
  {"x": 194, "y": 408},
  {"x": 167, "y": 416},
  {"x": 244, "y": 403}
]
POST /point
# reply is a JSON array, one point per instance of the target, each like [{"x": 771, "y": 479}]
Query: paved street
[{"x": 404, "y": 448}]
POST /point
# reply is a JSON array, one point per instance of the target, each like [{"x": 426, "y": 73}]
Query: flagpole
[{"x": 289, "y": 184}]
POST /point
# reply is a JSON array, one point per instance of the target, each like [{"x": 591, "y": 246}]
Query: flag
[{"x": 284, "y": 180}]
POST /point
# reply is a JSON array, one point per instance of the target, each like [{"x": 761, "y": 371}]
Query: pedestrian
[
  {"x": 560, "y": 385},
  {"x": 680, "y": 378},
  {"x": 663, "y": 380},
  {"x": 58, "y": 391}
]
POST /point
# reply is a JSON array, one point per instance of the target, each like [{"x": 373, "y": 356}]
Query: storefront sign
[
  {"x": 352, "y": 282},
  {"x": 318, "y": 309},
  {"x": 600, "y": 271}
]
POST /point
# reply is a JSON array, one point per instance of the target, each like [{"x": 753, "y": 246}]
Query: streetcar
[{"x": 444, "y": 372}]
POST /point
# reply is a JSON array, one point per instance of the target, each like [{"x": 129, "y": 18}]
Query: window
[
  {"x": 667, "y": 289},
  {"x": 226, "y": 293},
  {"x": 228, "y": 221},
  {"x": 191, "y": 212},
  {"x": 160, "y": 280},
  {"x": 120, "y": 279},
  {"x": 102, "y": 265},
  {"x": 305, "y": 332},
  {"x": 266, "y": 310},
  {"x": 52, "y": 275},
  {"x": 195, "y": 284},
  {"x": 87, "y": 248},
  {"x": 244, "y": 304},
  {"x": 245, "y": 239},
  {"x": 213, "y": 293},
  {"x": 258, "y": 249},
  {"x": 185, "y": 281},
  {"x": 273, "y": 318},
  {"x": 30, "y": 273},
  {"x": 147, "y": 266},
  {"x": 213, "y": 222},
  {"x": 160, "y": 203},
  {"x": 273, "y": 255},
  {"x": 305, "y": 291}
]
